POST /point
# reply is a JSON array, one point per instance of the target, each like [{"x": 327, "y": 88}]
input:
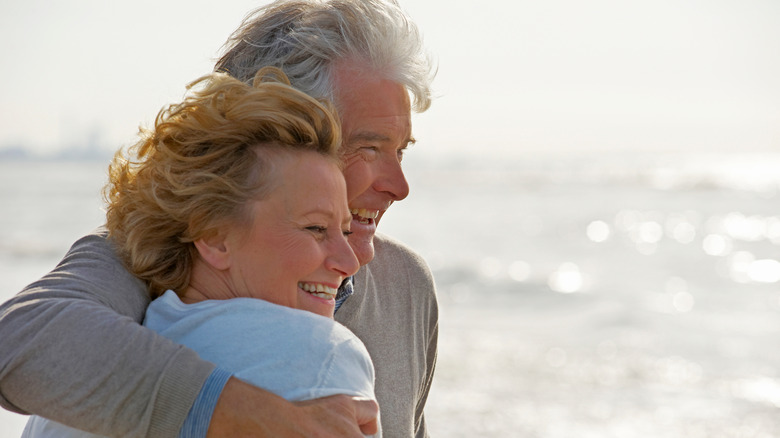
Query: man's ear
[{"x": 214, "y": 250}]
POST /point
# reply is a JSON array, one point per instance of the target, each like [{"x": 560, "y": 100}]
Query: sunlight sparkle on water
[
  {"x": 641, "y": 226},
  {"x": 760, "y": 389},
  {"x": 753, "y": 228},
  {"x": 648, "y": 232},
  {"x": 745, "y": 268},
  {"x": 566, "y": 279},
  {"x": 773, "y": 230},
  {"x": 519, "y": 270},
  {"x": 716, "y": 245},
  {"x": 598, "y": 231},
  {"x": 675, "y": 297},
  {"x": 682, "y": 301},
  {"x": 680, "y": 229},
  {"x": 644, "y": 229},
  {"x": 764, "y": 271}
]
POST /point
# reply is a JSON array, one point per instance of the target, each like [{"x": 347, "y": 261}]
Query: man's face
[{"x": 376, "y": 129}]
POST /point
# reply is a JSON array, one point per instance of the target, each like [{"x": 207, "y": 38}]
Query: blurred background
[{"x": 595, "y": 189}]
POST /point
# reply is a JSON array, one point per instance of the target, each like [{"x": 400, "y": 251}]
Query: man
[{"x": 73, "y": 350}]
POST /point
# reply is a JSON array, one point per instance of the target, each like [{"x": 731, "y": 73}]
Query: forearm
[
  {"x": 72, "y": 350},
  {"x": 244, "y": 410}
]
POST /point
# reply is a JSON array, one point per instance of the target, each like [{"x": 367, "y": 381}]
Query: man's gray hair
[{"x": 305, "y": 38}]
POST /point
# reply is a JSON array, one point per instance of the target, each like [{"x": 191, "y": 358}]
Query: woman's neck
[{"x": 206, "y": 283}]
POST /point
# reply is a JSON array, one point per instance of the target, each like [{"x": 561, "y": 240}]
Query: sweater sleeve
[{"x": 73, "y": 351}]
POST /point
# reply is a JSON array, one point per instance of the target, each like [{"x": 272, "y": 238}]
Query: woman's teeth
[{"x": 319, "y": 290}]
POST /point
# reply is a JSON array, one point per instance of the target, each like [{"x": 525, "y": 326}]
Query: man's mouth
[
  {"x": 363, "y": 216},
  {"x": 319, "y": 290}
]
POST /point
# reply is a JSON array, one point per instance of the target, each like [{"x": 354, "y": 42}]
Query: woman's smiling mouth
[{"x": 319, "y": 290}]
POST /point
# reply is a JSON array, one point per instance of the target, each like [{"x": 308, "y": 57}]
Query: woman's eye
[{"x": 347, "y": 233}]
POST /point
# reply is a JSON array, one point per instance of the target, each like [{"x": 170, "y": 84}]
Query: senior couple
[{"x": 73, "y": 350}]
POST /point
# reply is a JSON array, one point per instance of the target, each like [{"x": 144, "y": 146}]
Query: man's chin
[
  {"x": 362, "y": 241},
  {"x": 365, "y": 254},
  {"x": 363, "y": 247}
]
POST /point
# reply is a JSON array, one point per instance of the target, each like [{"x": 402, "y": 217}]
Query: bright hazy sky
[{"x": 514, "y": 75}]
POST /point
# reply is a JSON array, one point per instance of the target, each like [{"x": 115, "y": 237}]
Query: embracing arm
[
  {"x": 243, "y": 409},
  {"x": 72, "y": 350}
]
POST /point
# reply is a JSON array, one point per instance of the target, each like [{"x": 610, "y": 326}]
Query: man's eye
[
  {"x": 317, "y": 229},
  {"x": 347, "y": 233},
  {"x": 400, "y": 153}
]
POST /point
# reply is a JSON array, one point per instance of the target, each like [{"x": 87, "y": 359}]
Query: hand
[
  {"x": 247, "y": 411},
  {"x": 351, "y": 410}
]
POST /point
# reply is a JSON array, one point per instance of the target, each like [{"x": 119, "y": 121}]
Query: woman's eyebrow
[{"x": 319, "y": 210}]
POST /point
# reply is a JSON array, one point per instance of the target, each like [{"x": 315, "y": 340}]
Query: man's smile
[{"x": 363, "y": 215}]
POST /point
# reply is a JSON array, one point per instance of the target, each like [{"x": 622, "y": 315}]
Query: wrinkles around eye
[{"x": 364, "y": 152}]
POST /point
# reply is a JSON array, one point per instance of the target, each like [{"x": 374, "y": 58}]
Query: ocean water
[{"x": 626, "y": 296}]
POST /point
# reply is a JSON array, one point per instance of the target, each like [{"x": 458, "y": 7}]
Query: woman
[{"x": 235, "y": 214}]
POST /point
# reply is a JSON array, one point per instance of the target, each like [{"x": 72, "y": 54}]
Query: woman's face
[{"x": 295, "y": 252}]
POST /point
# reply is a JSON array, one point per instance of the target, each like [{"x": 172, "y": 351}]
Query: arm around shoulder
[
  {"x": 73, "y": 351},
  {"x": 244, "y": 410}
]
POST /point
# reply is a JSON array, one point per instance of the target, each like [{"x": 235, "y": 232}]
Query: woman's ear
[{"x": 214, "y": 251}]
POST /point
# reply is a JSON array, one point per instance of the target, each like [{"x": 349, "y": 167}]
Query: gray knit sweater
[{"x": 72, "y": 349}]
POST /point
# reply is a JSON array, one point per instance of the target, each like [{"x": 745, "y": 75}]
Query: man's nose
[{"x": 391, "y": 179}]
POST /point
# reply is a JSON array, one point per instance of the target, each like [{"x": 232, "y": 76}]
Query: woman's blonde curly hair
[{"x": 200, "y": 165}]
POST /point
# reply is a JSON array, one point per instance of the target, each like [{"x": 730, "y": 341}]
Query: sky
[{"x": 514, "y": 76}]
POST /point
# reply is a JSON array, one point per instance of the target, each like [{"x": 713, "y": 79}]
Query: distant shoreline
[{"x": 19, "y": 154}]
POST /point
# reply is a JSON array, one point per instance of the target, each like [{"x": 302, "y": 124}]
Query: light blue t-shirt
[{"x": 293, "y": 353}]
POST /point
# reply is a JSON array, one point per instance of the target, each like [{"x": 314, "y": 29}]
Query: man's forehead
[{"x": 354, "y": 87}]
